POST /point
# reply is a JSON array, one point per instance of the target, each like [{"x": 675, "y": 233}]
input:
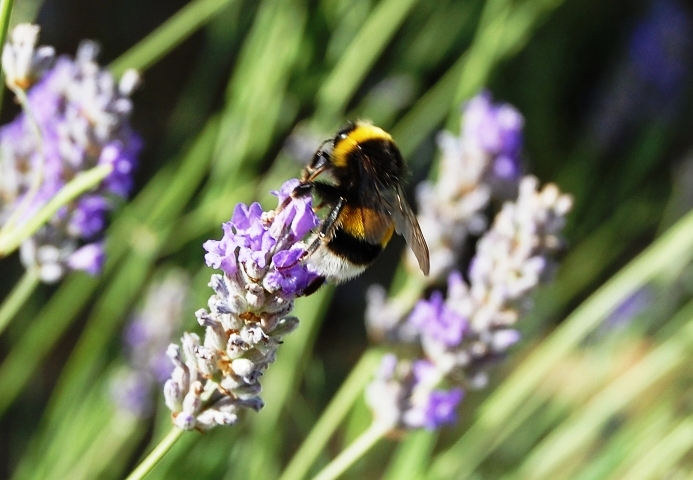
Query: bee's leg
[
  {"x": 318, "y": 163},
  {"x": 326, "y": 229},
  {"x": 330, "y": 223},
  {"x": 313, "y": 286},
  {"x": 329, "y": 195},
  {"x": 301, "y": 190}
]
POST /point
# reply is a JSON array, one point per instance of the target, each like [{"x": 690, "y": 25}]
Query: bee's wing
[{"x": 407, "y": 225}]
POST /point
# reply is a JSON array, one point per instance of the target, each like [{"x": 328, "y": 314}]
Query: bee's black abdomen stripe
[{"x": 356, "y": 251}]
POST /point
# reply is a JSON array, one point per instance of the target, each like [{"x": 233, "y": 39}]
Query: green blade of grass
[
  {"x": 673, "y": 248},
  {"x": 165, "y": 38}
]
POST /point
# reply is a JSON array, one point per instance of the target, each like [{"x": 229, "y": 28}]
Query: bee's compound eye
[{"x": 340, "y": 136}]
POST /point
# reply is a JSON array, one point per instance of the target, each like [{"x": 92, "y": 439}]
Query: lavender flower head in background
[
  {"x": 248, "y": 314},
  {"x": 474, "y": 166},
  {"x": 78, "y": 118},
  {"x": 482, "y": 163},
  {"x": 649, "y": 80},
  {"x": 473, "y": 326},
  {"x": 145, "y": 339}
]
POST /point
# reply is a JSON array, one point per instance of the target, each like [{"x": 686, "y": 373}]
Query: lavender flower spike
[
  {"x": 145, "y": 339},
  {"x": 403, "y": 395},
  {"x": 82, "y": 115},
  {"x": 214, "y": 379},
  {"x": 472, "y": 327},
  {"x": 481, "y": 163},
  {"x": 483, "y": 160}
]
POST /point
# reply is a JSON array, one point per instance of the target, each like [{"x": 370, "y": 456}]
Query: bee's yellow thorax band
[{"x": 362, "y": 133}]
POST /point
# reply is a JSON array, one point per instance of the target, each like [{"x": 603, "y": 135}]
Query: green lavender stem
[
  {"x": 10, "y": 240},
  {"x": 17, "y": 297},
  {"x": 335, "y": 412},
  {"x": 5, "y": 13},
  {"x": 353, "y": 452},
  {"x": 155, "y": 455},
  {"x": 162, "y": 40}
]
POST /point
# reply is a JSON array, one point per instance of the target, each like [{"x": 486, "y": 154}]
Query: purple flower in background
[
  {"x": 437, "y": 320},
  {"x": 22, "y": 62},
  {"x": 145, "y": 339},
  {"x": 435, "y": 407},
  {"x": 660, "y": 45},
  {"x": 472, "y": 327},
  {"x": 648, "y": 81},
  {"x": 89, "y": 258},
  {"x": 438, "y": 410},
  {"x": 82, "y": 117},
  {"x": 403, "y": 395},
  {"x": 497, "y": 130},
  {"x": 259, "y": 257},
  {"x": 483, "y": 162}
]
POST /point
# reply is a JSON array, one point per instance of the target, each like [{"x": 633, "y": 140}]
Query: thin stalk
[
  {"x": 155, "y": 455},
  {"x": 5, "y": 13},
  {"x": 18, "y": 297},
  {"x": 104, "y": 449},
  {"x": 354, "y": 64},
  {"x": 77, "y": 186},
  {"x": 37, "y": 177},
  {"x": 332, "y": 416},
  {"x": 353, "y": 452},
  {"x": 162, "y": 40}
]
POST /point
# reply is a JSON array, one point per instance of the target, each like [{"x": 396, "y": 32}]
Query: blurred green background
[{"x": 605, "y": 88}]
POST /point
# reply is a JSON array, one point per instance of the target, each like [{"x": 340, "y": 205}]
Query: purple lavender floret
[
  {"x": 298, "y": 214},
  {"x": 288, "y": 274},
  {"x": 497, "y": 129},
  {"x": 435, "y": 319},
  {"x": 660, "y": 45},
  {"x": 88, "y": 258},
  {"x": 266, "y": 247},
  {"x": 145, "y": 339},
  {"x": 439, "y": 410},
  {"x": 82, "y": 114},
  {"x": 403, "y": 395}
]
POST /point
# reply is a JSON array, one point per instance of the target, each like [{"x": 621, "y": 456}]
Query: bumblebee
[{"x": 364, "y": 200}]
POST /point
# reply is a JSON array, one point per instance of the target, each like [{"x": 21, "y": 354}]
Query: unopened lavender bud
[
  {"x": 190, "y": 343},
  {"x": 206, "y": 361},
  {"x": 129, "y": 82},
  {"x": 173, "y": 395},
  {"x": 503, "y": 339},
  {"x": 285, "y": 327},
  {"x": 254, "y": 403},
  {"x": 173, "y": 352},
  {"x": 246, "y": 391},
  {"x": 211, "y": 418},
  {"x": 253, "y": 334},
  {"x": 242, "y": 367},
  {"x": 22, "y": 63},
  {"x": 185, "y": 420}
]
